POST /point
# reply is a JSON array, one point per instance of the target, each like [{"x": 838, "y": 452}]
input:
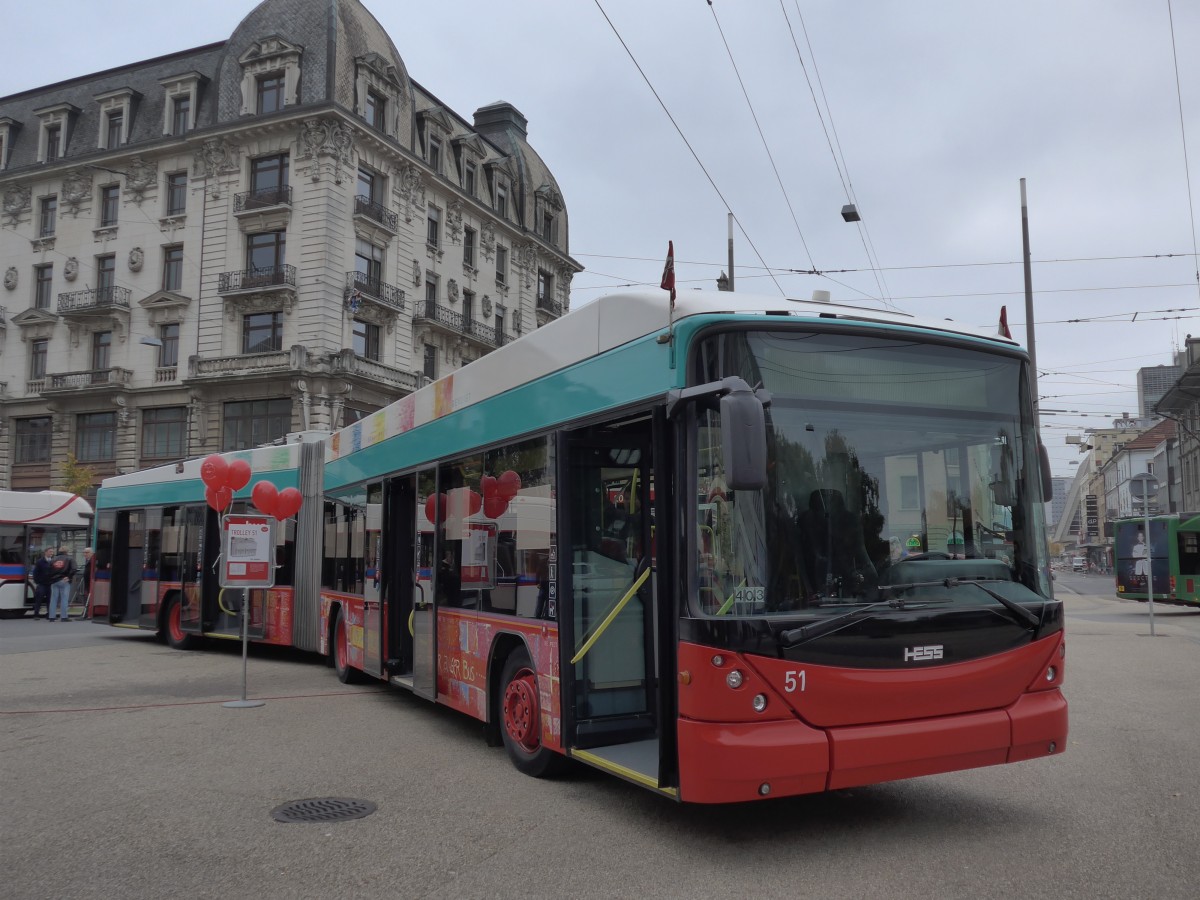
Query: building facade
[
  {"x": 1152, "y": 383},
  {"x": 281, "y": 231}
]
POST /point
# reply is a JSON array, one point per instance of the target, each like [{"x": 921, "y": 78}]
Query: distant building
[
  {"x": 280, "y": 231},
  {"x": 1058, "y": 501},
  {"x": 1152, "y": 383}
]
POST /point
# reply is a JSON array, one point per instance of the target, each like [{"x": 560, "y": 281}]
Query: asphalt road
[{"x": 123, "y": 776}]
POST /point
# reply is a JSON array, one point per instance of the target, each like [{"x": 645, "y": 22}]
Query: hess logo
[{"x": 923, "y": 654}]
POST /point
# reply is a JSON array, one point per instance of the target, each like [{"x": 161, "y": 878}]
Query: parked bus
[
  {"x": 776, "y": 548},
  {"x": 1169, "y": 560},
  {"x": 31, "y": 521}
]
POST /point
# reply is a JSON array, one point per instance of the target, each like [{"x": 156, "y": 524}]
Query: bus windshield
[{"x": 899, "y": 471}]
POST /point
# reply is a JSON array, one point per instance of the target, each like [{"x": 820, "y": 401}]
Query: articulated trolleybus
[
  {"x": 773, "y": 548},
  {"x": 31, "y": 521}
]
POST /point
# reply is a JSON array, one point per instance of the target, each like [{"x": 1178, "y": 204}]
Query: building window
[
  {"x": 269, "y": 178},
  {"x": 101, "y": 350},
  {"x": 252, "y": 423},
  {"x": 468, "y": 312},
  {"x": 116, "y": 129},
  {"x": 368, "y": 261},
  {"x": 177, "y": 193},
  {"x": 48, "y": 217},
  {"x": 375, "y": 110},
  {"x": 106, "y": 277},
  {"x": 501, "y": 201},
  {"x": 366, "y": 340},
  {"x": 265, "y": 252},
  {"x": 32, "y": 440},
  {"x": 501, "y": 265},
  {"x": 545, "y": 289},
  {"x": 164, "y": 432},
  {"x": 431, "y": 284},
  {"x": 262, "y": 332},
  {"x": 469, "y": 178},
  {"x": 38, "y": 350},
  {"x": 43, "y": 282},
  {"x": 548, "y": 224},
  {"x": 430, "y": 369},
  {"x": 433, "y": 227},
  {"x": 270, "y": 93},
  {"x": 435, "y": 154},
  {"x": 181, "y": 114},
  {"x": 469, "y": 247},
  {"x": 370, "y": 186},
  {"x": 53, "y": 142},
  {"x": 172, "y": 268},
  {"x": 168, "y": 353},
  {"x": 110, "y": 203},
  {"x": 95, "y": 436}
]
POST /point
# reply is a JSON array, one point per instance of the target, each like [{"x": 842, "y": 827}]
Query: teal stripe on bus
[{"x": 185, "y": 490}]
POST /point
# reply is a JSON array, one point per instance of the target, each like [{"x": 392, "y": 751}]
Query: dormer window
[
  {"x": 55, "y": 133},
  {"x": 469, "y": 172},
  {"x": 375, "y": 110},
  {"x": 270, "y": 76},
  {"x": 435, "y": 155},
  {"x": 116, "y": 111},
  {"x": 8, "y": 127},
  {"x": 378, "y": 92},
  {"x": 182, "y": 97},
  {"x": 501, "y": 204}
]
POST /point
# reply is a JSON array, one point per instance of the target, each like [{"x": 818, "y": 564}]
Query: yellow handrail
[
  {"x": 227, "y": 610},
  {"x": 608, "y": 619}
]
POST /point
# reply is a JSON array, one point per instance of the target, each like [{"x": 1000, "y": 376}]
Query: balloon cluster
[
  {"x": 223, "y": 478},
  {"x": 463, "y": 502}
]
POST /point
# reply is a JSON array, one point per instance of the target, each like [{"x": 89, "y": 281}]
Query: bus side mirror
[
  {"x": 744, "y": 441},
  {"x": 1047, "y": 477}
]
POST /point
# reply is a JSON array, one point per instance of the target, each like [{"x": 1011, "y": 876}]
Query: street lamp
[{"x": 1141, "y": 487}]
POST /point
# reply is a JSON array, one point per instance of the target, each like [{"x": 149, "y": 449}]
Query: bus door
[
  {"x": 423, "y": 618},
  {"x": 191, "y": 569},
  {"x": 125, "y": 605},
  {"x": 399, "y": 583},
  {"x": 610, "y": 687}
]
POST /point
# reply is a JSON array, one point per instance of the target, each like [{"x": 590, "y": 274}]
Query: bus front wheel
[
  {"x": 520, "y": 720},
  {"x": 177, "y": 638}
]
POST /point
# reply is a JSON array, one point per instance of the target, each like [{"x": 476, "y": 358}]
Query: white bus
[{"x": 29, "y": 523}]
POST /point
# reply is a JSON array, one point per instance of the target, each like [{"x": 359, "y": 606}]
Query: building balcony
[
  {"x": 349, "y": 364},
  {"x": 262, "y": 199},
  {"x": 278, "y": 362},
  {"x": 375, "y": 213},
  {"x": 93, "y": 379},
  {"x": 257, "y": 280},
  {"x": 547, "y": 305},
  {"x": 94, "y": 301},
  {"x": 447, "y": 320},
  {"x": 372, "y": 289}
]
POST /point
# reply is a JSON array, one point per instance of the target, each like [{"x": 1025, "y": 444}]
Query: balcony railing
[
  {"x": 387, "y": 294},
  {"x": 99, "y": 299},
  {"x": 376, "y": 212},
  {"x": 164, "y": 374},
  {"x": 350, "y": 364},
  {"x": 249, "y": 363},
  {"x": 263, "y": 198},
  {"x": 35, "y": 386},
  {"x": 545, "y": 304},
  {"x": 74, "y": 381},
  {"x": 448, "y": 318},
  {"x": 256, "y": 278}
]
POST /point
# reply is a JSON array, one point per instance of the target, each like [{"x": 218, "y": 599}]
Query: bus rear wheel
[
  {"x": 172, "y": 630},
  {"x": 346, "y": 673},
  {"x": 521, "y": 721}
]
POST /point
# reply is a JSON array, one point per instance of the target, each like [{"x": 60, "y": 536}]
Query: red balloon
[
  {"x": 488, "y": 487},
  {"x": 288, "y": 503},
  {"x": 238, "y": 475},
  {"x": 494, "y": 507},
  {"x": 474, "y": 503},
  {"x": 264, "y": 494},
  {"x": 509, "y": 484},
  {"x": 214, "y": 471},
  {"x": 431, "y": 508},
  {"x": 218, "y": 498}
]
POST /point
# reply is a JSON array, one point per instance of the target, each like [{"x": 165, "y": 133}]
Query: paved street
[{"x": 123, "y": 776}]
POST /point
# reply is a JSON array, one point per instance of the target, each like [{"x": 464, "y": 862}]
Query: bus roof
[
  {"x": 587, "y": 331},
  {"x": 43, "y": 508}
]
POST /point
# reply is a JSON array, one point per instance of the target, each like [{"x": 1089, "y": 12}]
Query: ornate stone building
[{"x": 281, "y": 231}]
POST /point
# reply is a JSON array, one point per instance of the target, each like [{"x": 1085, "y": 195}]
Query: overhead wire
[{"x": 1187, "y": 172}]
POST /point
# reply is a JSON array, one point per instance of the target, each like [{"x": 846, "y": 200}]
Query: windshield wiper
[
  {"x": 796, "y": 636},
  {"x": 1032, "y": 621}
]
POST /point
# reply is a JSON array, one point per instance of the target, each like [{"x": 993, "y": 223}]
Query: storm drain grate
[{"x": 323, "y": 809}]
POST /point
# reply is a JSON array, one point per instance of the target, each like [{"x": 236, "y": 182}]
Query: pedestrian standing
[
  {"x": 42, "y": 570},
  {"x": 63, "y": 570}
]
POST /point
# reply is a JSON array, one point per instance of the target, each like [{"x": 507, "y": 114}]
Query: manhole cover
[{"x": 323, "y": 809}]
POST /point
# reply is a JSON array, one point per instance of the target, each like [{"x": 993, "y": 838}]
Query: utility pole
[{"x": 1028, "y": 294}]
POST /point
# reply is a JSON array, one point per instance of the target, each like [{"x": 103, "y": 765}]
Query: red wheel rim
[
  {"x": 175, "y": 622},
  {"x": 341, "y": 650},
  {"x": 520, "y": 710}
]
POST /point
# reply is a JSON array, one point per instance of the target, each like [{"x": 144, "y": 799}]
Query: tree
[{"x": 76, "y": 477}]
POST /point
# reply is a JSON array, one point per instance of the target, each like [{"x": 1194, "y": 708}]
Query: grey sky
[{"x": 940, "y": 109}]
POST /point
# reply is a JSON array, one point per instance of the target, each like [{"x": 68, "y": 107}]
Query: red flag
[
  {"x": 668, "y": 279},
  {"x": 1004, "y": 332}
]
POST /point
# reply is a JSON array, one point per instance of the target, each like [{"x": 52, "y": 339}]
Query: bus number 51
[{"x": 794, "y": 680}]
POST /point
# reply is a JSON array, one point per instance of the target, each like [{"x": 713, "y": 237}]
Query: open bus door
[
  {"x": 398, "y": 579},
  {"x": 612, "y": 713}
]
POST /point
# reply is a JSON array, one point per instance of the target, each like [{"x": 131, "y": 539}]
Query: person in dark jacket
[
  {"x": 41, "y": 582},
  {"x": 62, "y": 571}
]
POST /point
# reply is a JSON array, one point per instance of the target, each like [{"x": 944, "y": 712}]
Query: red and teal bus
[
  {"x": 31, "y": 522},
  {"x": 769, "y": 548}
]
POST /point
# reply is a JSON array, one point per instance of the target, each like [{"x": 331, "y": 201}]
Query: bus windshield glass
[{"x": 899, "y": 472}]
